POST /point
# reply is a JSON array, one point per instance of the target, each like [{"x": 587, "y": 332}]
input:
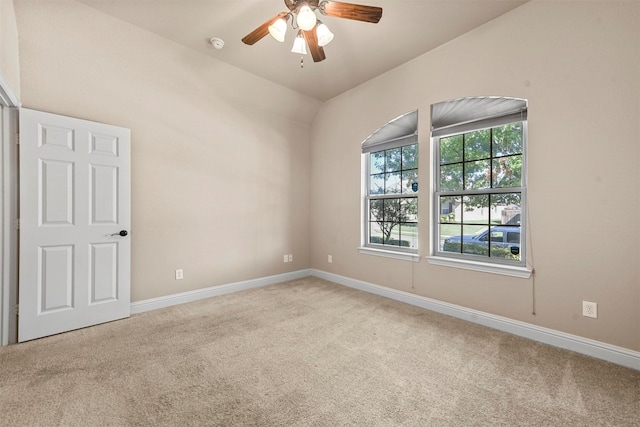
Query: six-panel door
[{"x": 74, "y": 201}]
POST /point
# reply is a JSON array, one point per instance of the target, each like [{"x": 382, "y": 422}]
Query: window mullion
[
  {"x": 478, "y": 192},
  {"x": 464, "y": 163},
  {"x": 393, "y": 196}
]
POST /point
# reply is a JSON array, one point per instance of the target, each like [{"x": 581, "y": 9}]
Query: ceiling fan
[{"x": 311, "y": 31}]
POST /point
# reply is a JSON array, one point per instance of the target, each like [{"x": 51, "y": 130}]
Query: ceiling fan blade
[
  {"x": 317, "y": 52},
  {"x": 353, "y": 11},
  {"x": 262, "y": 30}
]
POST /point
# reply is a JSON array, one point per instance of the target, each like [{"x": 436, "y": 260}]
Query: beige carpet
[{"x": 306, "y": 353}]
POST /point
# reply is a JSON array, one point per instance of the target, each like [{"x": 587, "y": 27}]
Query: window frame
[
  {"x": 470, "y": 261},
  {"x": 398, "y": 252}
]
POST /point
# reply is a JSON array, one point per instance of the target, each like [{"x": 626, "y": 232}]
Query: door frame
[{"x": 10, "y": 103}]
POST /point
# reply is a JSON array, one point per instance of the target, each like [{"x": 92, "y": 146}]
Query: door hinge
[
  {"x": 16, "y": 224},
  {"x": 17, "y": 309},
  {"x": 17, "y": 139}
]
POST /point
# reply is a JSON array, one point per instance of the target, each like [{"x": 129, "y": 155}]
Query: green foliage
[
  {"x": 476, "y": 249},
  {"x": 483, "y": 159},
  {"x": 477, "y": 145},
  {"x": 451, "y": 149},
  {"x": 507, "y": 140}
]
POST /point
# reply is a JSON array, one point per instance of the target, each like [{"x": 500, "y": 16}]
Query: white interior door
[{"x": 75, "y": 247}]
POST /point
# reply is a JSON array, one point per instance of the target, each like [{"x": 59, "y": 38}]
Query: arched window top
[
  {"x": 459, "y": 115},
  {"x": 400, "y": 131}
]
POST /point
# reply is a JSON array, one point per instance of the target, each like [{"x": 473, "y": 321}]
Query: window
[
  {"x": 479, "y": 180},
  {"x": 390, "y": 183}
]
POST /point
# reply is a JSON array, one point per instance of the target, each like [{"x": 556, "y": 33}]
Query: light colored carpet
[{"x": 306, "y": 353}]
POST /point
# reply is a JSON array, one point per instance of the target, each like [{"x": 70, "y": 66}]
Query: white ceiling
[{"x": 359, "y": 51}]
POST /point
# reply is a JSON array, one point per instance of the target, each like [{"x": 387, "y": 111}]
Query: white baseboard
[
  {"x": 214, "y": 291},
  {"x": 597, "y": 349}
]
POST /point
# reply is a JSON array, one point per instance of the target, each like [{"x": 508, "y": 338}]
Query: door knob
[{"x": 121, "y": 233}]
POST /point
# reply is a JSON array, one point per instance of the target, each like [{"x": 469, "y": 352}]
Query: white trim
[
  {"x": 4, "y": 237},
  {"x": 8, "y": 189},
  {"x": 405, "y": 256},
  {"x": 214, "y": 291},
  {"x": 505, "y": 270},
  {"x": 8, "y": 97},
  {"x": 597, "y": 349}
]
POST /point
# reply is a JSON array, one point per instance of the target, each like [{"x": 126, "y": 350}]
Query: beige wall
[
  {"x": 219, "y": 176},
  {"x": 578, "y": 63},
  {"x": 9, "y": 65},
  {"x": 220, "y": 181}
]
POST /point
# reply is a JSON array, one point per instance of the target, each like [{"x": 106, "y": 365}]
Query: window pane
[
  {"x": 377, "y": 162},
  {"x": 475, "y": 209},
  {"x": 506, "y": 208},
  {"x": 475, "y": 240},
  {"x": 393, "y": 160},
  {"x": 375, "y": 233},
  {"x": 409, "y": 210},
  {"x": 477, "y": 175},
  {"x": 392, "y": 236},
  {"x": 451, "y": 177},
  {"x": 451, "y": 149},
  {"x": 376, "y": 185},
  {"x": 392, "y": 210},
  {"x": 450, "y": 238},
  {"x": 393, "y": 183},
  {"x": 409, "y": 235},
  {"x": 408, "y": 178},
  {"x": 505, "y": 242},
  {"x": 507, "y": 140},
  {"x": 507, "y": 172},
  {"x": 376, "y": 210},
  {"x": 477, "y": 145},
  {"x": 450, "y": 211},
  {"x": 410, "y": 157}
]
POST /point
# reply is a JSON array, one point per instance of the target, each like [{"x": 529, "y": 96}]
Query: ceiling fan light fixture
[
  {"x": 314, "y": 33},
  {"x": 278, "y": 29},
  {"x": 306, "y": 19},
  {"x": 324, "y": 34},
  {"x": 299, "y": 44}
]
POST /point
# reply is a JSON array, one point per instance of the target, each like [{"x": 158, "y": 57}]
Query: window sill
[
  {"x": 405, "y": 256},
  {"x": 505, "y": 270}
]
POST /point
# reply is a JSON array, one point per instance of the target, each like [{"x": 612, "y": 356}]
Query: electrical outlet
[
  {"x": 286, "y": 258},
  {"x": 590, "y": 309},
  {"x": 329, "y": 259},
  {"x": 179, "y": 274},
  {"x": 290, "y": 257}
]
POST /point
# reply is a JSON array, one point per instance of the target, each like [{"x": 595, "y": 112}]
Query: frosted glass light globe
[
  {"x": 324, "y": 35},
  {"x": 278, "y": 29},
  {"x": 306, "y": 18}
]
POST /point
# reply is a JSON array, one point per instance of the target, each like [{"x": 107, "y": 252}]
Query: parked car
[{"x": 505, "y": 242}]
